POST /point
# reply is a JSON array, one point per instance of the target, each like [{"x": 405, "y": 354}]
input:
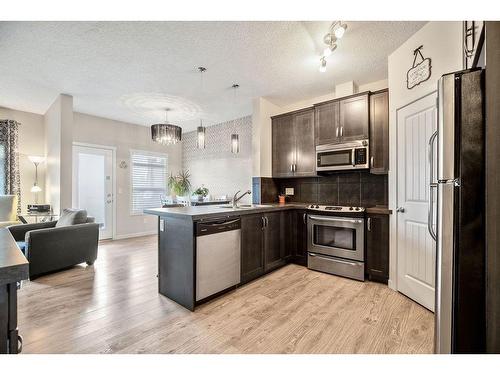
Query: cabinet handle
[
  {"x": 295, "y": 168},
  {"x": 337, "y": 132},
  {"x": 263, "y": 222},
  {"x": 341, "y": 131},
  {"x": 369, "y": 224},
  {"x": 372, "y": 160},
  {"x": 267, "y": 221},
  {"x": 291, "y": 168},
  {"x": 304, "y": 218}
]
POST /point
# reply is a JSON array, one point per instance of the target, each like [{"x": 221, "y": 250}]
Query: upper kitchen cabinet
[
  {"x": 327, "y": 123},
  {"x": 283, "y": 152},
  {"x": 305, "y": 151},
  {"x": 379, "y": 132},
  {"x": 293, "y": 153},
  {"x": 354, "y": 117}
]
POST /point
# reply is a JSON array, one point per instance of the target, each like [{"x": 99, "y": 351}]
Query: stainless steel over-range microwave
[{"x": 342, "y": 156}]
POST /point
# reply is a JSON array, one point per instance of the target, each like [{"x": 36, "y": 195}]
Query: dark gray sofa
[{"x": 49, "y": 248}]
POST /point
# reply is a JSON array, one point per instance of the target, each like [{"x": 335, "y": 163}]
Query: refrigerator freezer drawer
[{"x": 336, "y": 266}]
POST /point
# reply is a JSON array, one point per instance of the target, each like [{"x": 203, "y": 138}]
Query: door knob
[{"x": 400, "y": 209}]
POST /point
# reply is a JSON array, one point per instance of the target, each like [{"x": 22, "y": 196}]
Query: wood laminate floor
[{"x": 114, "y": 307}]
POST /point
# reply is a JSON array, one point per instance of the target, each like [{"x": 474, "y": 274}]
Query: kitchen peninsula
[{"x": 199, "y": 247}]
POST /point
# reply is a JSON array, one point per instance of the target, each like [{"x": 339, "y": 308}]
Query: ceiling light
[
  {"x": 166, "y": 134},
  {"x": 340, "y": 30},
  {"x": 328, "y": 50},
  {"x": 235, "y": 143},
  {"x": 322, "y": 67},
  {"x": 200, "y": 132}
]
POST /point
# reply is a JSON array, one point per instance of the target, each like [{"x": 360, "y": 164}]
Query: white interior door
[
  {"x": 416, "y": 250},
  {"x": 93, "y": 185}
]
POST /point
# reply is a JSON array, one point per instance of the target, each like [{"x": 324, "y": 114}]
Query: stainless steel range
[{"x": 336, "y": 240}]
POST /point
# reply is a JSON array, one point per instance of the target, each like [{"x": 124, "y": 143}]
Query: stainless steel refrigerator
[{"x": 458, "y": 224}]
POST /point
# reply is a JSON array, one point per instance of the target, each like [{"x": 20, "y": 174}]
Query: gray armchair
[{"x": 51, "y": 248}]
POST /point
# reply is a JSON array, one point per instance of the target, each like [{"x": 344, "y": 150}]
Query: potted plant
[
  {"x": 180, "y": 185},
  {"x": 201, "y": 193}
]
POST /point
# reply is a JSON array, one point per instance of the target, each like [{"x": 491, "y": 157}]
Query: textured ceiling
[{"x": 131, "y": 71}]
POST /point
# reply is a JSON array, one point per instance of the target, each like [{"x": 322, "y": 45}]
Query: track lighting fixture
[
  {"x": 340, "y": 30},
  {"x": 322, "y": 66}
]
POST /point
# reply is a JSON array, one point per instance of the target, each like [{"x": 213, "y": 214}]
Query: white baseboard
[
  {"x": 391, "y": 284},
  {"x": 132, "y": 235}
]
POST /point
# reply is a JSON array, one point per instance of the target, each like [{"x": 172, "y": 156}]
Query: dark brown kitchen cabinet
[
  {"x": 377, "y": 247},
  {"x": 293, "y": 153},
  {"x": 327, "y": 123},
  {"x": 354, "y": 117},
  {"x": 283, "y": 153},
  {"x": 305, "y": 151},
  {"x": 379, "y": 132},
  {"x": 252, "y": 249},
  {"x": 273, "y": 241},
  {"x": 262, "y": 244},
  {"x": 300, "y": 255}
]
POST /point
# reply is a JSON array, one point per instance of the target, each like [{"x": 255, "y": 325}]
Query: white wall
[
  {"x": 215, "y": 167},
  {"x": 263, "y": 109},
  {"x": 124, "y": 136},
  {"x": 31, "y": 143},
  {"x": 58, "y": 123},
  {"x": 442, "y": 42}
]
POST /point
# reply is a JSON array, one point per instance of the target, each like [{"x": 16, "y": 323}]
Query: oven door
[
  {"x": 336, "y": 236},
  {"x": 331, "y": 160}
]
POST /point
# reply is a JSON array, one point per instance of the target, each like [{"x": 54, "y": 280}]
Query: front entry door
[
  {"x": 416, "y": 250},
  {"x": 93, "y": 185}
]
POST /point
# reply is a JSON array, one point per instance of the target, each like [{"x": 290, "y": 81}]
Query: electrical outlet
[{"x": 289, "y": 191}]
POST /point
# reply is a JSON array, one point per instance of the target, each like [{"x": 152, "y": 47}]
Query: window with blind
[{"x": 149, "y": 180}]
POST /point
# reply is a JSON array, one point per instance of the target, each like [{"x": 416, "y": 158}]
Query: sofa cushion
[{"x": 72, "y": 216}]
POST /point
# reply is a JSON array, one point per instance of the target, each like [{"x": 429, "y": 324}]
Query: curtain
[{"x": 9, "y": 157}]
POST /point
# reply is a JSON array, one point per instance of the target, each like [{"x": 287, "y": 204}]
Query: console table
[{"x": 13, "y": 268}]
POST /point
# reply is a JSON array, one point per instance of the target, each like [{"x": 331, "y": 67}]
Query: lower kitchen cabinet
[
  {"x": 252, "y": 249},
  {"x": 300, "y": 250},
  {"x": 273, "y": 241},
  {"x": 262, "y": 244},
  {"x": 377, "y": 247}
]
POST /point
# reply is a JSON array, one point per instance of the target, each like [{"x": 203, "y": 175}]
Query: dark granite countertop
[
  {"x": 383, "y": 210},
  {"x": 13, "y": 264},
  {"x": 209, "y": 212}
]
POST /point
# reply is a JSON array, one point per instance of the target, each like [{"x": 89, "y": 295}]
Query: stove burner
[{"x": 317, "y": 207}]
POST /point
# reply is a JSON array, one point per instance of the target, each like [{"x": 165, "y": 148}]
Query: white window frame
[{"x": 131, "y": 179}]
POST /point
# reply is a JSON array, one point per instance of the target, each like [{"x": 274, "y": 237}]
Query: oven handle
[
  {"x": 326, "y": 218},
  {"x": 335, "y": 260}
]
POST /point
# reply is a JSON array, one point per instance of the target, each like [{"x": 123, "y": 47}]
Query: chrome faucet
[{"x": 236, "y": 198}]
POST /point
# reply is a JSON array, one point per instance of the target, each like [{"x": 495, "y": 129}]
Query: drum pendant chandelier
[{"x": 166, "y": 134}]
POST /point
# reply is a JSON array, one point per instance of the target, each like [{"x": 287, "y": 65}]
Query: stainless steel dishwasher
[{"x": 218, "y": 245}]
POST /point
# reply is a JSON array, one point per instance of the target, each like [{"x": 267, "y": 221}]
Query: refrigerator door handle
[{"x": 432, "y": 185}]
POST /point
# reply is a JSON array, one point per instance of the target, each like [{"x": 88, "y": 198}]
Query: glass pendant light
[
  {"x": 166, "y": 134},
  {"x": 235, "y": 143},
  {"x": 200, "y": 130},
  {"x": 200, "y": 140},
  {"x": 235, "y": 138}
]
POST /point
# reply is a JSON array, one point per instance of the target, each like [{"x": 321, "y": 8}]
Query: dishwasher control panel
[{"x": 217, "y": 226}]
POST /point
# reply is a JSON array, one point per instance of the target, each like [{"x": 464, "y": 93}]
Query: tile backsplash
[{"x": 344, "y": 189}]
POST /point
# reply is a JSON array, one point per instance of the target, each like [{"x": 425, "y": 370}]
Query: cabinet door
[
  {"x": 301, "y": 237},
  {"x": 379, "y": 133},
  {"x": 283, "y": 152},
  {"x": 326, "y": 117},
  {"x": 289, "y": 234},
  {"x": 354, "y": 118},
  {"x": 305, "y": 154},
  {"x": 377, "y": 247},
  {"x": 252, "y": 250},
  {"x": 273, "y": 236}
]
